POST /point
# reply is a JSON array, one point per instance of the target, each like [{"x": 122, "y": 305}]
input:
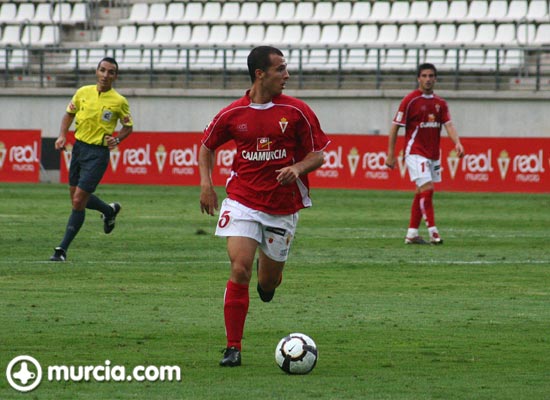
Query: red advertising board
[
  {"x": 351, "y": 162},
  {"x": 20, "y": 155}
]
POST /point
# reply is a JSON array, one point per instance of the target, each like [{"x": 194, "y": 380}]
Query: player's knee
[{"x": 241, "y": 273}]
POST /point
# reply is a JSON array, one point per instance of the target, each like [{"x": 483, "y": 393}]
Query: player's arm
[
  {"x": 453, "y": 134},
  {"x": 66, "y": 123},
  {"x": 311, "y": 162},
  {"x": 392, "y": 139},
  {"x": 113, "y": 141},
  {"x": 208, "y": 197}
]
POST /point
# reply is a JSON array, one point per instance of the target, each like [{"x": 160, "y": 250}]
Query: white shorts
[
  {"x": 274, "y": 233},
  {"x": 423, "y": 170}
]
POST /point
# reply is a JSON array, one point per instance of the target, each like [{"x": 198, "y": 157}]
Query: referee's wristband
[{"x": 117, "y": 141}]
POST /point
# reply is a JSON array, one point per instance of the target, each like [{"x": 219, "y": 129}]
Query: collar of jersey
[
  {"x": 264, "y": 106},
  {"x": 428, "y": 96}
]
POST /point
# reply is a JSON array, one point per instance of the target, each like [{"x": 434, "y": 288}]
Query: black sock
[
  {"x": 73, "y": 226},
  {"x": 95, "y": 203}
]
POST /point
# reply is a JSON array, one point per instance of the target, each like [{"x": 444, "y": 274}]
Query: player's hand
[
  {"x": 209, "y": 201},
  {"x": 287, "y": 175},
  {"x": 390, "y": 162},
  {"x": 60, "y": 143},
  {"x": 459, "y": 150}
]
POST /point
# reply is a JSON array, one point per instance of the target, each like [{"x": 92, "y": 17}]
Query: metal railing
[{"x": 460, "y": 68}]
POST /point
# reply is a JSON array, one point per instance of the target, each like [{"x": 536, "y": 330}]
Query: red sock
[
  {"x": 426, "y": 205},
  {"x": 235, "y": 308},
  {"x": 416, "y": 213}
]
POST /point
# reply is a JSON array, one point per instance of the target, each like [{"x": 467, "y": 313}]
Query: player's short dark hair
[
  {"x": 259, "y": 58},
  {"x": 424, "y": 66},
  {"x": 110, "y": 60}
]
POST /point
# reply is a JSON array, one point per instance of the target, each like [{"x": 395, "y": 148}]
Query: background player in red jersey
[
  {"x": 422, "y": 113},
  {"x": 279, "y": 141}
]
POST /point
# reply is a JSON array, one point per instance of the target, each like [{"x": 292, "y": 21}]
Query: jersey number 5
[{"x": 224, "y": 219}]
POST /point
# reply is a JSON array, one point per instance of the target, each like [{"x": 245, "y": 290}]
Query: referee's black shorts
[{"x": 88, "y": 165}]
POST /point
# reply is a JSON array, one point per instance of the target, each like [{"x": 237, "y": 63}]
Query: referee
[{"x": 97, "y": 110}]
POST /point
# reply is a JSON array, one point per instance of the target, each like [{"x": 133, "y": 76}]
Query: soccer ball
[{"x": 296, "y": 354}]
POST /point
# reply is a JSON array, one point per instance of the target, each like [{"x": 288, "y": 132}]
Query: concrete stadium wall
[{"x": 484, "y": 114}]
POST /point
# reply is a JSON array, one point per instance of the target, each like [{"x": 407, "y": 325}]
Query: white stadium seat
[
  {"x": 457, "y": 11},
  {"x": 407, "y": 34},
  {"x": 8, "y": 12},
  {"x": 182, "y": 34},
  {"x": 285, "y": 12},
  {"x": 236, "y": 34},
  {"x": 199, "y": 35},
  {"x": 517, "y": 10},
  {"x": 193, "y": 12},
  {"x": 174, "y": 13},
  {"x": 477, "y": 10},
  {"x": 485, "y": 34},
  {"x": 127, "y": 34},
  {"x": 497, "y": 10},
  {"x": 538, "y": 10},
  {"x": 62, "y": 13},
  {"x": 11, "y": 35},
  {"x": 218, "y": 34},
  {"x": 380, "y": 11},
  {"x": 505, "y": 34},
  {"x": 399, "y": 11},
  {"x": 292, "y": 34},
  {"x": 361, "y": 12},
  {"x": 465, "y": 34},
  {"x": 348, "y": 34},
  {"x": 418, "y": 11},
  {"x": 157, "y": 13},
  {"x": 25, "y": 12},
  {"x": 387, "y": 34},
  {"x": 446, "y": 34},
  {"x": 163, "y": 34},
  {"x": 304, "y": 11},
  {"x": 438, "y": 10},
  {"x": 212, "y": 11},
  {"x": 368, "y": 34},
  {"x": 43, "y": 13},
  {"x": 542, "y": 36},
  {"x": 342, "y": 11},
  {"x": 255, "y": 34},
  {"x": 311, "y": 34},
  {"x": 274, "y": 34},
  {"x": 139, "y": 12},
  {"x": 79, "y": 14},
  {"x": 145, "y": 34},
  {"x": 330, "y": 34},
  {"x": 266, "y": 12},
  {"x": 426, "y": 34},
  {"x": 230, "y": 11},
  {"x": 323, "y": 11}
]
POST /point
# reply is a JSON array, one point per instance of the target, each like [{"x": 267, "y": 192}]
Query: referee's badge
[
  {"x": 283, "y": 123},
  {"x": 106, "y": 115}
]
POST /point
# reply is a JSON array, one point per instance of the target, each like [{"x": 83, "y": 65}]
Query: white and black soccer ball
[{"x": 296, "y": 354}]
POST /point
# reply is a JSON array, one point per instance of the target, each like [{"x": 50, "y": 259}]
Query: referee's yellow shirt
[{"x": 97, "y": 114}]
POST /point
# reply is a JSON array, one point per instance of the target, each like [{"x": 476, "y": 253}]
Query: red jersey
[
  {"x": 268, "y": 137},
  {"x": 422, "y": 116}
]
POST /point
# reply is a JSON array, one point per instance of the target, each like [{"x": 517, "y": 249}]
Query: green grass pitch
[{"x": 466, "y": 320}]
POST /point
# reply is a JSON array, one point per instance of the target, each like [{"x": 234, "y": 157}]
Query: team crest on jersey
[
  {"x": 242, "y": 128},
  {"x": 437, "y": 107},
  {"x": 263, "y": 144},
  {"x": 283, "y": 123},
  {"x": 106, "y": 115}
]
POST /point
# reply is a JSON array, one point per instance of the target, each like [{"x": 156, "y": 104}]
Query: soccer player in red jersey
[
  {"x": 422, "y": 113},
  {"x": 279, "y": 141}
]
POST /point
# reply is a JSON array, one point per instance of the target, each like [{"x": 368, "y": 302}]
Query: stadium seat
[
  {"x": 285, "y": 12},
  {"x": 145, "y": 34},
  {"x": 138, "y": 13},
  {"x": 435, "y": 56},
  {"x": 169, "y": 59},
  {"x": 457, "y": 11},
  {"x": 407, "y": 34},
  {"x": 11, "y": 35},
  {"x": 212, "y": 11},
  {"x": 193, "y": 12},
  {"x": 163, "y": 34},
  {"x": 525, "y": 33},
  {"x": 474, "y": 60},
  {"x": 341, "y": 12},
  {"x": 30, "y": 35},
  {"x": 236, "y": 34},
  {"x": 477, "y": 10},
  {"x": 109, "y": 35},
  {"x": 304, "y": 11},
  {"x": 356, "y": 59},
  {"x": 43, "y": 13},
  {"x": 394, "y": 59},
  {"x": 218, "y": 34},
  {"x": 505, "y": 34},
  {"x": 238, "y": 62},
  {"x": 292, "y": 34},
  {"x": 311, "y": 34},
  {"x": 418, "y": 11},
  {"x": 485, "y": 34},
  {"x": 199, "y": 35},
  {"x": 25, "y": 12},
  {"x": 517, "y": 10},
  {"x": 174, "y": 13},
  {"x": 465, "y": 34},
  {"x": 323, "y": 11},
  {"x": 538, "y": 10},
  {"x": 542, "y": 37},
  {"x": 361, "y": 11},
  {"x": 230, "y": 11},
  {"x": 132, "y": 60},
  {"x": 249, "y": 11},
  {"x": 182, "y": 34},
  {"x": 330, "y": 34},
  {"x": 127, "y": 34},
  {"x": 498, "y": 9},
  {"x": 157, "y": 13},
  {"x": 79, "y": 14},
  {"x": 274, "y": 34},
  {"x": 513, "y": 59},
  {"x": 207, "y": 59},
  {"x": 18, "y": 58},
  {"x": 51, "y": 35},
  {"x": 368, "y": 34},
  {"x": 399, "y": 11},
  {"x": 349, "y": 34},
  {"x": 446, "y": 34},
  {"x": 438, "y": 11},
  {"x": 255, "y": 34},
  {"x": 380, "y": 11},
  {"x": 8, "y": 12},
  {"x": 387, "y": 34},
  {"x": 62, "y": 13},
  {"x": 454, "y": 59},
  {"x": 426, "y": 34},
  {"x": 266, "y": 13}
]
